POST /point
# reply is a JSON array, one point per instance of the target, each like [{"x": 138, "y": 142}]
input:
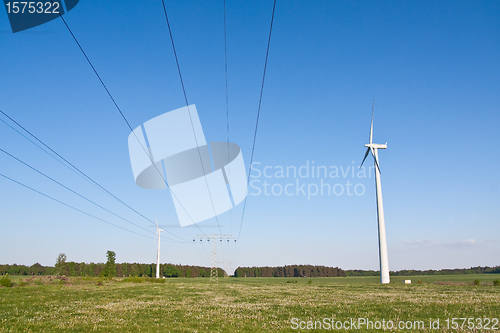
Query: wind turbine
[
  {"x": 158, "y": 232},
  {"x": 382, "y": 241}
]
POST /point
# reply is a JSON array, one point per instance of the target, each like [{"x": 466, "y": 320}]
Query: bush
[
  {"x": 309, "y": 282},
  {"x": 291, "y": 281},
  {"x": 5, "y": 281},
  {"x": 419, "y": 281},
  {"x": 496, "y": 282},
  {"x": 133, "y": 279},
  {"x": 143, "y": 279},
  {"x": 477, "y": 282}
]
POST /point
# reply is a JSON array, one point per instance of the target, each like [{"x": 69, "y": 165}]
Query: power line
[
  {"x": 77, "y": 169},
  {"x": 74, "y": 192},
  {"x": 46, "y": 152},
  {"x": 67, "y": 205},
  {"x": 204, "y": 252},
  {"x": 73, "y": 166},
  {"x": 125, "y": 119},
  {"x": 227, "y": 109},
  {"x": 258, "y": 114},
  {"x": 187, "y": 105}
]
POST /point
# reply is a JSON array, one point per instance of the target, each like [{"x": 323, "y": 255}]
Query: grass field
[{"x": 243, "y": 304}]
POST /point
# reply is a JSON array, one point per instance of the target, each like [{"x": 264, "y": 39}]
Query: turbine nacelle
[
  {"x": 372, "y": 147},
  {"x": 376, "y": 145}
]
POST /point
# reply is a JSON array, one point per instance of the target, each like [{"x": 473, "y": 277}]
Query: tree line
[
  {"x": 411, "y": 272},
  {"x": 289, "y": 271},
  {"x": 106, "y": 270},
  {"x": 110, "y": 269},
  {"x": 322, "y": 271}
]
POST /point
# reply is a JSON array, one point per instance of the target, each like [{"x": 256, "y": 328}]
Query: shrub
[
  {"x": 496, "y": 282},
  {"x": 133, "y": 279},
  {"x": 309, "y": 282},
  {"x": 143, "y": 279},
  {"x": 419, "y": 281},
  {"x": 5, "y": 281},
  {"x": 291, "y": 281},
  {"x": 477, "y": 282}
]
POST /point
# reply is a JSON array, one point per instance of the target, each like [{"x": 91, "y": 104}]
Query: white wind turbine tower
[
  {"x": 158, "y": 232},
  {"x": 382, "y": 242}
]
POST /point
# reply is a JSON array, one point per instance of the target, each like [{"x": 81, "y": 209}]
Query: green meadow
[{"x": 50, "y": 304}]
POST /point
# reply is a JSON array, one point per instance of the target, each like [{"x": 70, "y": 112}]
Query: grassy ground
[{"x": 241, "y": 305}]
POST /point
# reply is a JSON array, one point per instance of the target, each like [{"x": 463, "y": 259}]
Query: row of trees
[
  {"x": 108, "y": 269},
  {"x": 35, "y": 269},
  {"x": 472, "y": 270},
  {"x": 322, "y": 271},
  {"x": 100, "y": 269},
  {"x": 111, "y": 269},
  {"x": 411, "y": 272},
  {"x": 289, "y": 271}
]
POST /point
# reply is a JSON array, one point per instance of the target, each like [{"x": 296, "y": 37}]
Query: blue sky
[{"x": 434, "y": 71}]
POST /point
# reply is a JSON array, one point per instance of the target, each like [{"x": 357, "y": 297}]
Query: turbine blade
[
  {"x": 371, "y": 128},
  {"x": 376, "y": 160},
  {"x": 364, "y": 158}
]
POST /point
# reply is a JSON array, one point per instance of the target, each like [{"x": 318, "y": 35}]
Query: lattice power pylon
[{"x": 214, "y": 276}]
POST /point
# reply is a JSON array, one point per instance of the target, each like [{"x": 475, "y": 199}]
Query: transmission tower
[{"x": 214, "y": 276}]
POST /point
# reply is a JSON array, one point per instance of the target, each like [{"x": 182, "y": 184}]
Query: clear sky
[{"x": 434, "y": 69}]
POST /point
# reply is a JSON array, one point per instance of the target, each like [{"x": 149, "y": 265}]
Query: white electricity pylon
[
  {"x": 158, "y": 232},
  {"x": 382, "y": 241},
  {"x": 214, "y": 276}
]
